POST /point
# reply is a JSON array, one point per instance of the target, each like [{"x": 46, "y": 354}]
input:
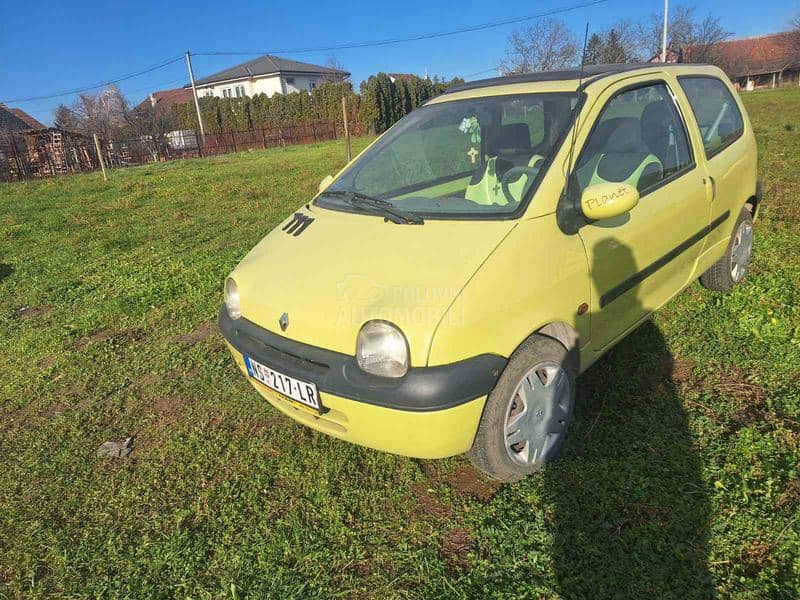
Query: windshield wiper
[{"x": 387, "y": 209}]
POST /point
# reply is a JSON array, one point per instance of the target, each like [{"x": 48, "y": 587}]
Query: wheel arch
[
  {"x": 753, "y": 202},
  {"x": 566, "y": 335}
]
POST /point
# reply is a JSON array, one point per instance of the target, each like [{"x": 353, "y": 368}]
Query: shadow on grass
[
  {"x": 630, "y": 507},
  {"x": 5, "y": 270}
]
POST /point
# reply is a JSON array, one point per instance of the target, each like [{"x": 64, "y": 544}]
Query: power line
[
  {"x": 476, "y": 73},
  {"x": 98, "y": 85},
  {"x": 386, "y": 42},
  {"x": 412, "y": 38}
]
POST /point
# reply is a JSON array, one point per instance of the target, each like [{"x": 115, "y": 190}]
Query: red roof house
[
  {"x": 164, "y": 100},
  {"x": 765, "y": 60}
]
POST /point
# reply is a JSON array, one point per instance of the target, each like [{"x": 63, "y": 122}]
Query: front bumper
[{"x": 431, "y": 412}]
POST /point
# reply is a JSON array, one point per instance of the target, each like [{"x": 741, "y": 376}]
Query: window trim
[
  {"x": 628, "y": 88},
  {"x": 558, "y": 144},
  {"x": 733, "y": 140}
]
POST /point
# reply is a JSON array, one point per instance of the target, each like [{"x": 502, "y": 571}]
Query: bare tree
[
  {"x": 544, "y": 46},
  {"x": 685, "y": 31},
  {"x": 333, "y": 62},
  {"x": 102, "y": 113},
  {"x": 795, "y": 28},
  {"x": 65, "y": 118},
  {"x": 149, "y": 126}
]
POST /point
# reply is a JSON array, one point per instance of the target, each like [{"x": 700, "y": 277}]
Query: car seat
[
  {"x": 658, "y": 136},
  {"x": 617, "y": 154},
  {"x": 509, "y": 146}
]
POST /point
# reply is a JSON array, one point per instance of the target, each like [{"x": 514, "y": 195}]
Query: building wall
[{"x": 269, "y": 85}]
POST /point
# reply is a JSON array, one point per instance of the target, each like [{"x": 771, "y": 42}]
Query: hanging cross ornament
[{"x": 472, "y": 128}]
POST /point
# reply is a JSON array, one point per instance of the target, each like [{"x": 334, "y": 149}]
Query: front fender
[{"x": 536, "y": 276}]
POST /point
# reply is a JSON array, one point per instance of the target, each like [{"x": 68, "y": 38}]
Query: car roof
[{"x": 589, "y": 74}]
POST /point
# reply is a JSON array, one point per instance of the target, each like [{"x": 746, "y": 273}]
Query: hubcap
[
  {"x": 537, "y": 415},
  {"x": 741, "y": 251}
]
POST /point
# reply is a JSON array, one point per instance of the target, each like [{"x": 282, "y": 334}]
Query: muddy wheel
[
  {"x": 732, "y": 267},
  {"x": 527, "y": 414}
]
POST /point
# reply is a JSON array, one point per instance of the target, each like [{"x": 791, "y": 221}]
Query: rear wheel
[
  {"x": 527, "y": 414},
  {"x": 732, "y": 267}
]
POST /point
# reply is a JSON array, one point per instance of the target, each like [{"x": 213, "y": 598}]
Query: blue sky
[{"x": 51, "y": 46}]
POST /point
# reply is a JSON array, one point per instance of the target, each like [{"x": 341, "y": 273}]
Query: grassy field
[{"x": 681, "y": 477}]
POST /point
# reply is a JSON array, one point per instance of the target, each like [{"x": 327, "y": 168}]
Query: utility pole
[
  {"x": 194, "y": 94},
  {"x": 664, "y": 32}
]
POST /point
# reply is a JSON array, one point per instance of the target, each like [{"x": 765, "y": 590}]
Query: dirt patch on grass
[
  {"x": 681, "y": 370},
  {"x": 467, "y": 481},
  {"x": 199, "y": 334},
  {"x": 429, "y": 504},
  {"x": 46, "y": 362},
  {"x": 121, "y": 337},
  {"x": 254, "y": 426},
  {"x": 168, "y": 409},
  {"x": 734, "y": 383},
  {"x": 456, "y": 546},
  {"x": 32, "y": 312},
  {"x": 754, "y": 557},
  {"x": 790, "y": 497}
]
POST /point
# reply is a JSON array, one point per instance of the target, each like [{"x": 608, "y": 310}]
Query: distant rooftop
[
  {"x": 268, "y": 65},
  {"x": 164, "y": 100},
  {"x": 16, "y": 119},
  {"x": 771, "y": 53}
]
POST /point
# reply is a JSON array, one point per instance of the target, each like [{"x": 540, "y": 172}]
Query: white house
[{"x": 266, "y": 75}]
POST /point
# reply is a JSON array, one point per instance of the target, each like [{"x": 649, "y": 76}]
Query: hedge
[{"x": 380, "y": 103}]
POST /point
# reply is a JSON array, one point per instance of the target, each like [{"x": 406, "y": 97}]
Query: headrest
[
  {"x": 626, "y": 137},
  {"x": 515, "y": 137},
  {"x": 656, "y": 118}
]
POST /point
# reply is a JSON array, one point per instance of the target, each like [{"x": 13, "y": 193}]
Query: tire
[
  {"x": 533, "y": 400},
  {"x": 732, "y": 267}
]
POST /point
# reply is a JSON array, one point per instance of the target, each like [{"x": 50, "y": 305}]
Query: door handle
[{"x": 713, "y": 188}]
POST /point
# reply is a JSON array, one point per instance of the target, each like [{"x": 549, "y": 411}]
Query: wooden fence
[{"x": 51, "y": 152}]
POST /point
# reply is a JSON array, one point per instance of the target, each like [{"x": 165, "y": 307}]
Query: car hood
[{"x": 342, "y": 269}]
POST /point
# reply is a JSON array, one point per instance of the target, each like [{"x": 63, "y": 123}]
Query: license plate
[{"x": 300, "y": 391}]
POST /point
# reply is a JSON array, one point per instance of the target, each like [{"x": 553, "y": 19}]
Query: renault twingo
[{"x": 441, "y": 294}]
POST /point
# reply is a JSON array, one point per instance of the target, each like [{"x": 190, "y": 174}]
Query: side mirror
[
  {"x": 607, "y": 200},
  {"x": 326, "y": 181}
]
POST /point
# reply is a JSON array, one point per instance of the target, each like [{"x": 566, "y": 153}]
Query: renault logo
[
  {"x": 284, "y": 321},
  {"x": 298, "y": 224}
]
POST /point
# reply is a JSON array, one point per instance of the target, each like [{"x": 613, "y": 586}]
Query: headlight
[
  {"x": 232, "y": 299},
  {"x": 382, "y": 349}
]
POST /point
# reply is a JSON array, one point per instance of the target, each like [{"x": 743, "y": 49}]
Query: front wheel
[
  {"x": 526, "y": 415},
  {"x": 732, "y": 267}
]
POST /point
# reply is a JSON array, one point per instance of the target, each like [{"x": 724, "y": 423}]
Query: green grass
[{"x": 680, "y": 478}]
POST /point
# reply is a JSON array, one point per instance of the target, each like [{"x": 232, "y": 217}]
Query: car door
[
  {"x": 730, "y": 168},
  {"x": 641, "y": 259}
]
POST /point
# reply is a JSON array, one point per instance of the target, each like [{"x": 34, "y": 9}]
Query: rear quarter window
[{"x": 715, "y": 110}]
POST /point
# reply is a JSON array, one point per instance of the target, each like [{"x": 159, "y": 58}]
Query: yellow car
[{"x": 441, "y": 294}]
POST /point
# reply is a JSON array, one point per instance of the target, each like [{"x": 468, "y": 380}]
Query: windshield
[{"x": 478, "y": 157}]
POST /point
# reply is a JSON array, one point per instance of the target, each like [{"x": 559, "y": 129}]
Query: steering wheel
[{"x": 512, "y": 175}]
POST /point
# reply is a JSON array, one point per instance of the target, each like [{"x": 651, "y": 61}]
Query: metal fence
[{"x": 52, "y": 152}]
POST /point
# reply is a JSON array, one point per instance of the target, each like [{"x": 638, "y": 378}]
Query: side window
[
  {"x": 715, "y": 110},
  {"x": 638, "y": 139}
]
